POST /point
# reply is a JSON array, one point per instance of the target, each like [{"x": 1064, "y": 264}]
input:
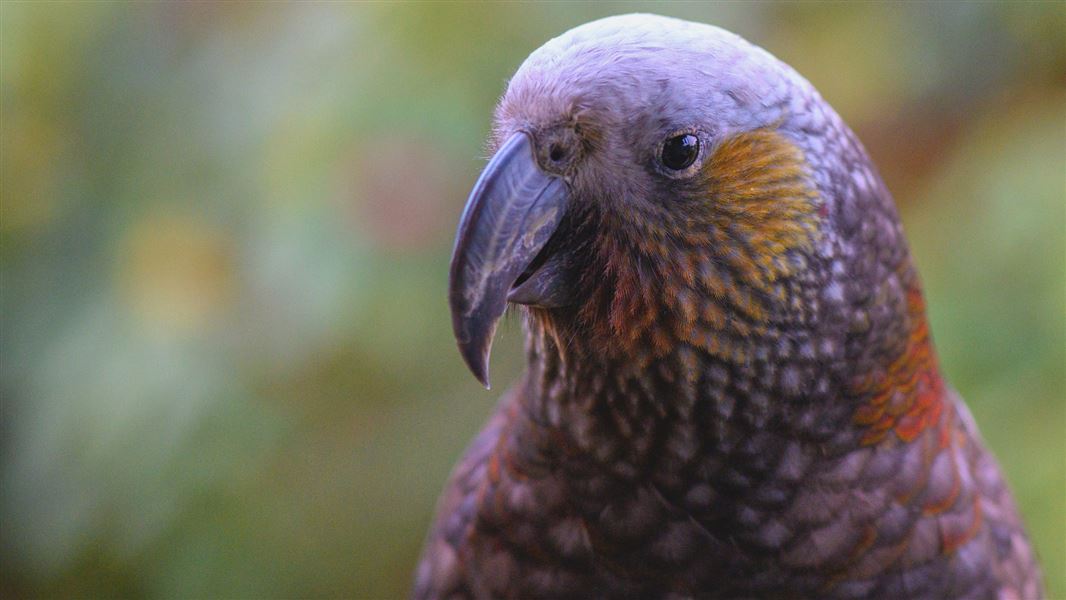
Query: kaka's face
[{"x": 645, "y": 187}]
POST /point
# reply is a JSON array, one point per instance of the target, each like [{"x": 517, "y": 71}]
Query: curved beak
[{"x": 512, "y": 212}]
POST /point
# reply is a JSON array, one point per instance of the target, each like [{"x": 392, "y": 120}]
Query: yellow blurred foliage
[{"x": 175, "y": 273}]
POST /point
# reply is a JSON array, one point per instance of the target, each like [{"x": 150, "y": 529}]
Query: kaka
[{"x": 731, "y": 388}]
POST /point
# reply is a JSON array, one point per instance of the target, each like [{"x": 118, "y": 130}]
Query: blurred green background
[{"x": 226, "y": 357}]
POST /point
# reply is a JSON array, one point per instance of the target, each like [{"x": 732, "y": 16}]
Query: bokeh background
[{"x": 226, "y": 358}]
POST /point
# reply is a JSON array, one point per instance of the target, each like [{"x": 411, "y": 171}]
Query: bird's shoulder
[
  {"x": 919, "y": 516},
  {"x": 504, "y": 523}
]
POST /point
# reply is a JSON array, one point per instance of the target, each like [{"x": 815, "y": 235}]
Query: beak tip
[
  {"x": 481, "y": 373},
  {"x": 476, "y": 357}
]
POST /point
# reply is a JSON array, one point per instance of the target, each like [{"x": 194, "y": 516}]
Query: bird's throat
[{"x": 678, "y": 389}]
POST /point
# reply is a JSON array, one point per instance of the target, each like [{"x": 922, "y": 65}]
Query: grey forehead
[{"x": 674, "y": 70}]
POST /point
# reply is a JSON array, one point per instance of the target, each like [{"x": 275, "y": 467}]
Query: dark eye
[{"x": 680, "y": 151}]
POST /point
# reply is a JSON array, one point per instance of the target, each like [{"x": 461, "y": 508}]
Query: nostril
[{"x": 556, "y": 153}]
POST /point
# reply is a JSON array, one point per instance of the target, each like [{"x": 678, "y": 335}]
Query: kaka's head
[{"x": 662, "y": 188}]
